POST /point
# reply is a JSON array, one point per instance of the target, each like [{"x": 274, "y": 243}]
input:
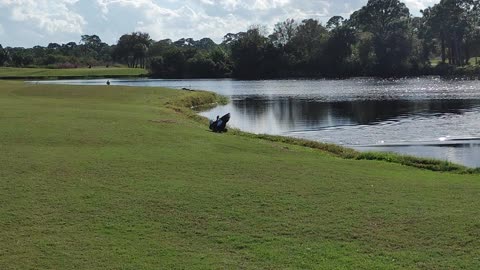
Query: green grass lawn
[
  {"x": 72, "y": 72},
  {"x": 112, "y": 178}
]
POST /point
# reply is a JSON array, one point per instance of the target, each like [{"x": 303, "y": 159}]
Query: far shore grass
[
  {"x": 112, "y": 177},
  {"x": 84, "y": 72}
]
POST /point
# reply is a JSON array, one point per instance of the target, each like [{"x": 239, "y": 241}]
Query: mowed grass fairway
[
  {"x": 71, "y": 72},
  {"x": 111, "y": 178}
]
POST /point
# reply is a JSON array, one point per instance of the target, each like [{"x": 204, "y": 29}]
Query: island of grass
[
  {"x": 70, "y": 73},
  {"x": 127, "y": 178}
]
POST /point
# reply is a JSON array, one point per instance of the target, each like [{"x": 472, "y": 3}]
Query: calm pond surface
[{"x": 427, "y": 117}]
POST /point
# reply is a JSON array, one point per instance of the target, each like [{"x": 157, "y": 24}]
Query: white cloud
[
  {"x": 149, "y": 5},
  {"x": 416, "y": 5},
  {"x": 267, "y": 4},
  {"x": 207, "y": 2},
  {"x": 50, "y": 15},
  {"x": 229, "y": 5},
  {"x": 185, "y": 21}
]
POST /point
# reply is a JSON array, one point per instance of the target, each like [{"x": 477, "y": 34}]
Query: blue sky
[{"x": 28, "y": 23}]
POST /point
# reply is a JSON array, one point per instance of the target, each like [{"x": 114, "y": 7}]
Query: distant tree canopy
[
  {"x": 381, "y": 39},
  {"x": 133, "y": 49},
  {"x": 90, "y": 51},
  {"x": 388, "y": 22},
  {"x": 189, "y": 58},
  {"x": 455, "y": 24},
  {"x": 92, "y": 46}
]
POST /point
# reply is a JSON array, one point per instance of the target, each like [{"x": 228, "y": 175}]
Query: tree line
[{"x": 380, "y": 39}]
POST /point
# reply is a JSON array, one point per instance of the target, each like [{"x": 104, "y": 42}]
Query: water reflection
[
  {"x": 425, "y": 128},
  {"x": 290, "y": 115}
]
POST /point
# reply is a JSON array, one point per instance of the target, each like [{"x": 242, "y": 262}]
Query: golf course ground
[
  {"x": 110, "y": 177},
  {"x": 51, "y": 73}
]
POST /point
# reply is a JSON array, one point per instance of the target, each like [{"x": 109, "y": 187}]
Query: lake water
[{"x": 427, "y": 117}]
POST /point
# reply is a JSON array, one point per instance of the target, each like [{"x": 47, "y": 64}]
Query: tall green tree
[
  {"x": 283, "y": 33},
  {"x": 3, "y": 56},
  {"x": 309, "y": 44},
  {"x": 91, "y": 42},
  {"x": 339, "y": 46},
  {"x": 247, "y": 54},
  {"x": 388, "y": 22},
  {"x": 454, "y": 23},
  {"x": 133, "y": 49},
  {"x": 472, "y": 36},
  {"x": 335, "y": 22}
]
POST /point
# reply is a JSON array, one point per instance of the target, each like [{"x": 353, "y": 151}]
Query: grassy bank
[
  {"x": 94, "y": 72},
  {"x": 123, "y": 178},
  {"x": 348, "y": 153}
]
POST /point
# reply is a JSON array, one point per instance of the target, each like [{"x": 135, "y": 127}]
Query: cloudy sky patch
[{"x": 28, "y": 23}]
